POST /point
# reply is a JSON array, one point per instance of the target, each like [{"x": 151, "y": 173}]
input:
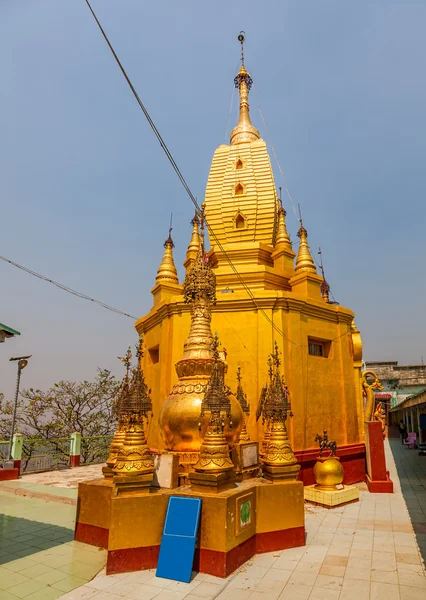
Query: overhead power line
[
  {"x": 184, "y": 183},
  {"x": 66, "y": 288}
]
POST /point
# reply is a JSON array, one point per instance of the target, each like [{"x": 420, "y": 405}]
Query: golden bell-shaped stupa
[{"x": 179, "y": 417}]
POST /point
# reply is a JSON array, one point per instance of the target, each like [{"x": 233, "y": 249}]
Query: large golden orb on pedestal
[
  {"x": 328, "y": 473},
  {"x": 180, "y": 414}
]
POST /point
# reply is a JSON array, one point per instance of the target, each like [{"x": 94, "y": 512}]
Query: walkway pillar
[
  {"x": 16, "y": 452},
  {"x": 412, "y": 420},
  {"x": 75, "y": 448},
  {"x": 418, "y": 423}
]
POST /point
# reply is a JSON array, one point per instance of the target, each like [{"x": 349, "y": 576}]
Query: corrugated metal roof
[{"x": 9, "y": 330}]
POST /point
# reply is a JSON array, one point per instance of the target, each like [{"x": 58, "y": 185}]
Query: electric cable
[{"x": 66, "y": 288}]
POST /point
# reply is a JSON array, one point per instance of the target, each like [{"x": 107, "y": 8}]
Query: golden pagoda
[{"x": 266, "y": 292}]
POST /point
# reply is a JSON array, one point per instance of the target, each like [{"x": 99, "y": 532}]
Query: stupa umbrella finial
[
  {"x": 244, "y": 131},
  {"x": 167, "y": 271},
  {"x": 304, "y": 260}
]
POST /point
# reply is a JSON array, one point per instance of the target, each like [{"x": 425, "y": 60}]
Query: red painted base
[
  {"x": 132, "y": 559},
  {"x": 75, "y": 461},
  {"x": 17, "y": 465},
  {"x": 380, "y": 486},
  {"x": 377, "y": 477},
  {"x": 352, "y": 458},
  {"x": 212, "y": 562},
  {"x": 91, "y": 534},
  {"x": 8, "y": 474},
  {"x": 280, "y": 540}
]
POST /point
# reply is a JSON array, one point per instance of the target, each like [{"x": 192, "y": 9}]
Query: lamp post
[{"x": 22, "y": 363}]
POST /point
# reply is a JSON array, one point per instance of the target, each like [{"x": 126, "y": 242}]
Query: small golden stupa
[{"x": 179, "y": 418}]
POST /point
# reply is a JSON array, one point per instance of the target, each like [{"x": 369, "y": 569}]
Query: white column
[
  {"x": 412, "y": 419},
  {"x": 418, "y": 422}
]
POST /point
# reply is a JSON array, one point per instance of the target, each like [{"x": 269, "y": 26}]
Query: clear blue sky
[{"x": 86, "y": 191}]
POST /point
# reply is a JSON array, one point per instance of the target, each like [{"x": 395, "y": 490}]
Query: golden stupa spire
[
  {"x": 304, "y": 260},
  {"x": 244, "y": 131},
  {"x": 194, "y": 244},
  {"x": 282, "y": 239},
  {"x": 199, "y": 290},
  {"x": 325, "y": 287},
  {"x": 167, "y": 271}
]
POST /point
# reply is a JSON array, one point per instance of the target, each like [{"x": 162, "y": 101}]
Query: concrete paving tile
[
  {"x": 407, "y": 549},
  {"x": 359, "y": 563},
  {"x": 45, "y": 594},
  {"x": 253, "y": 570},
  {"x": 11, "y": 579},
  {"x": 358, "y": 574},
  {"x": 295, "y": 592},
  {"x": 83, "y": 593},
  {"x": 412, "y": 580},
  {"x": 319, "y": 593},
  {"x": 409, "y": 593},
  {"x": 180, "y": 586},
  {"x": 335, "y": 560},
  {"x": 308, "y": 567},
  {"x": 79, "y": 569},
  {"x": 106, "y": 595},
  {"x": 206, "y": 590},
  {"x": 7, "y": 596},
  {"x": 70, "y": 582},
  {"x": 169, "y": 595},
  {"x": 411, "y": 559},
  {"x": 355, "y": 589},
  {"x": 384, "y": 565},
  {"x": 19, "y": 564},
  {"x": 384, "y": 591},
  {"x": 144, "y": 592},
  {"x": 384, "y": 576},
  {"x": 159, "y": 582},
  {"x": 236, "y": 594},
  {"x": 25, "y": 588},
  {"x": 332, "y": 570},
  {"x": 242, "y": 581},
  {"x": 328, "y": 582},
  {"x": 306, "y": 579},
  {"x": 284, "y": 564},
  {"x": 51, "y": 577}
]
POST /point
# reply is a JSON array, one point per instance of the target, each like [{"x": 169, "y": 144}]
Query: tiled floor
[
  {"x": 412, "y": 478},
  {"x": 364, "y": 551},
  {"x": 38, "y": 558}
]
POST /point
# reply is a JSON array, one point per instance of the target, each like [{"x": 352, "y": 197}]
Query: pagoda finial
[
  {"x": 167, "y": 271},
  {"x": 282, "y": 234},
  {"x": 325, "y": 287},
  {"x": 194, "y": 243},
  {"x": 244, "y": 131},
  {"x": 304, "y": 260}
]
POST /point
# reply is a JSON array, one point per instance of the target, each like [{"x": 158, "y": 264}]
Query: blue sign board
[{"x": 179, "y": 538}]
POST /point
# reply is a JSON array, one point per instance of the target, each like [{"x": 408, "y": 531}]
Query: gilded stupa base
[
  {"x": 107, "y": 472},
  {"x": 280, "y": 473},
  {"x": 132, "y": 484},
  {"x": 331, "y": 497},
  {"x": 252, "y": 517},
  {"x": 212, "y": 483}
]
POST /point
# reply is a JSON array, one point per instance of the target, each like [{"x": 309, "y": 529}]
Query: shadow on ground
[
  {"x": 22, "y": 537},
  {"x": 412, "y": 475}
]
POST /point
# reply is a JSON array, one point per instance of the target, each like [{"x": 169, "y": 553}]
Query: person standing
[{"x": 403, "y": 431}]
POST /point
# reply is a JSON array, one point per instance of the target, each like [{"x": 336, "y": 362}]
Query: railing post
[
  {"x": 16, "y": 452},
  {"x": 75, "y": 447}
]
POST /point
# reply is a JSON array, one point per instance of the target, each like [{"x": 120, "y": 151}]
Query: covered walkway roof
[
  {"x": 7, "y": 332},
  {"x": 416, "y": 399}
]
